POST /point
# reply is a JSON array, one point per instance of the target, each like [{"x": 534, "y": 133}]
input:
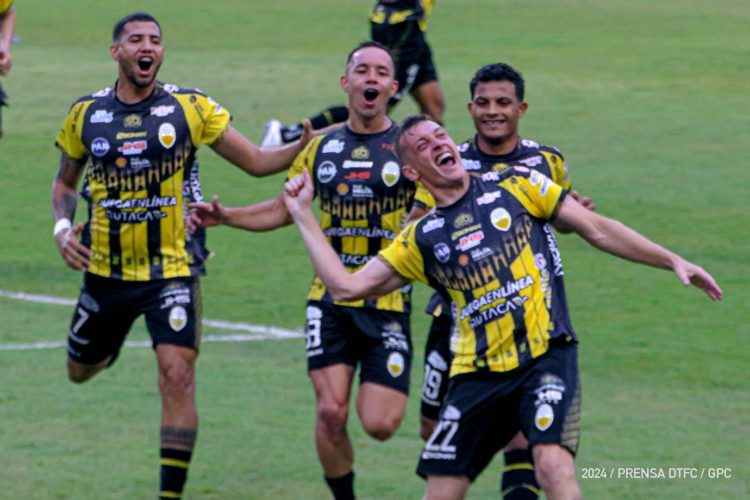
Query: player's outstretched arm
[
  {"x": 373, "y": 280},
  {"x": 262, "y": 216},
  {"x": 64, "y": 198},
  {"x": 237, "y": 149},
  {"x": 7, "y": 28},
  {"x": 618, "y": 239}
]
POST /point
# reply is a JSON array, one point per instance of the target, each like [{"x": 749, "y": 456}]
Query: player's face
[
  {"x": 496, "y": 111},
  {"x": 139, "y": 52},
  {"x": 431, "y": 152},
  {"x": 369, "y": 82}
]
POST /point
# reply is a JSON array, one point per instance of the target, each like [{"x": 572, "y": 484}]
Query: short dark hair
[
  {"x": 135, "y": 16},
  {"x": 366, "y": 44},
  {"x": 409, "y": 123},
  {"x": 498, "y": 72}
]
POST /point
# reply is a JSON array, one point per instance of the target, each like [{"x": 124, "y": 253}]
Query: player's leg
[
  {"x": 447, "y": 487},
  {"x": 518, "y": 480},
  {"x": 173, "y": 316},
  {"x": 380, "y": 409},
  {"x": 277, "y": 133},
  {"x": 436, "y": 364},
  {"x": 429, "y": 98},
  {"x": 101, "y": 320},
  {"x": 550, "y": 417},
  {"x": 331, "y": 365}
]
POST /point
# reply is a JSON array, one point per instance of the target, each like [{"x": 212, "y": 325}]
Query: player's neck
[
  {"x": 128, "y": 93},
  {"x": 498, "y": 147},
  {"x": 366, "y": 125},
  {"x": 449, "y": 194}
]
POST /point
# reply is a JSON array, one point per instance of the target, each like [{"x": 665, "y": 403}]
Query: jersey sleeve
[
  {"x": 423, "y": 198},
  {"x": 208, "y": 120},
  {"x": 404, "y": 256},
  {"x": 305, "y": 159},
  {"x": 536, "y": 192},
  {"x": 5, "y": 6},
  {"x": 69, "y": 138},
  {"x": 558, "y": 168}
]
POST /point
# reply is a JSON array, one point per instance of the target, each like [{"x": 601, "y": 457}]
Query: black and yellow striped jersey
[
  {"x": 4, "y": 6},
  {"x": 140, "y": 175},
  {"x": 495, "y": 253},
  {"x": 399, "y": 11},
  {"x": 547, "y": 160},
  {"x": 364, "y": 200}
]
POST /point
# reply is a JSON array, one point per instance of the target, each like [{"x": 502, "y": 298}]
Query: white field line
[{"x": 254, "y": 332}]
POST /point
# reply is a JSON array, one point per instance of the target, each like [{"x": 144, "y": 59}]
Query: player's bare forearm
[
  {"x": 262, "y": 216},
  {"x": 64, "y": 194}
]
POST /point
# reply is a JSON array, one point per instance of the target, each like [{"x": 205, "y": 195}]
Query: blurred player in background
[
  {"x": 400, "y": 25},
  {"x": 7, "y": 28},
  {"x": 136, "y": 143}
]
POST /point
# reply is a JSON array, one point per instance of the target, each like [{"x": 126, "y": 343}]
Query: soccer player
[
  {"x": 364, "y": 198},
  {"x": 136, "y": 142},
  {"x": 490, "y": 245},
  {"x": 496, "y": 108},
  {"x": 400, "y": 25},
  {"x": 7, "y": 28}
]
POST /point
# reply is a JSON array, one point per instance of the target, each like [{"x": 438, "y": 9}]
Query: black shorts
[
  {"x": 484, "y": 410},
  {"x": 411, "y": 55},
  {"x": 379, "y": 341},
  {"x": 437, "y": 357},
  {"x": 107, "y": 308}
]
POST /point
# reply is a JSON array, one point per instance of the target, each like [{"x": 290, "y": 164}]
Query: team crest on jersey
[
  {"x": 132, "y": 121},
  {"x": 395, "y": 364},
  {"x": 360, "y": 153},
  {"x": 500, "y": 218},
  {"x": 178, "y": 318},
  {"x": 391, "y": 173},
  {"x": 101, "y": 116},
  {"x": 99, "y": 146},
  {"x": 167, "y": 134},
  {"x": 544, "y": 417},
  {"x": 334, "y": 146},
  {"x": 442, "y": 252},
  {"x": 463, "y": 220},
  {"x": 326, "y": 172}
]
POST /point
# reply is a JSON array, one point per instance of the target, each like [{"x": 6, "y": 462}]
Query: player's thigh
[
  {"x": 429, "y": 98},
  {"x": 173, "y": 310},
  {"x": 101, "y": 320}
]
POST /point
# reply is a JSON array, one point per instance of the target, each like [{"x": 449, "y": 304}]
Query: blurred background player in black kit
[
  {"x": 400, "y": 25},
  {"x": 496, "y": 108},
  {"x": 7, "y": 28},
  {"x": 136, "y": 143}
]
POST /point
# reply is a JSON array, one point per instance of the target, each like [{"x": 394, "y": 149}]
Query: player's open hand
[
  {"x": 6, "y": 60},
  {"x": 690, "y": 274},
  {"x": 73, "y": 252},
  {"x": 204, "y": 214},
  {"x": 298, "y": 194},
  {"x": 307, "y": 133},
  {"x": 585, "y": 201}
]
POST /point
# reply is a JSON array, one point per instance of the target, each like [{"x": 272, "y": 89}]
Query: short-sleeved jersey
[
  {"x": 364, "y": 200},
  {"x": 5, "y": 6},
  {"x": 399, "y": 11},
  {"x": 140, "y": 175},
  {"x": 545, "y": 159},
  {"x": 495, "y": 253}
]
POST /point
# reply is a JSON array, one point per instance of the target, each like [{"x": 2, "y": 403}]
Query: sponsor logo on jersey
[
  {"x": 367, "y": 232},
  {"x": 433, "y": 224},
  {"x": 102, "y": 92},
  {"x": 101, "y": 116},
  {"x": 552, "y": 244},
  {"x": 395, "y": 364},
  {"x": 99, "y": 146},
  {"x": 544, "y": 417},
  {"x": 470, "y": 241},
  {"x": 463, "y": 260},
  {"x": 500, "y": 218},
  {"x": 130, "y": 135},
  {"x": 529, "y": 143},
  {"x": 354, "y": 260},
  {"x": 471, "y": 164},
  {"x": 178, "y": 318},
  {"x": 457, "y": 234},
  {"x": 532, "y": 162},
  {"x": 162, "y": 111},
  {"x": 167, "y": 135},
  {"x": 491, "y": 176},
  {"x": 216, "y": 105},
  {"x": 133, "y": 147},
  {"x": 489, "y": 298},
  {"x": 391, "y": 173},
  {"x": 463, "y": 147},
  {"x": 121, "y": 162},
  {"x": 437, "y": 361},
  {"x": 360, "y": 153},
  {"x": 541, "y": 180},
  {"x": 326, "y": 172},
  {"x": 394, "y": 338},
  {"x": 334, "y": 146},
  {"x": 488, "y": 198},
  {"x": 442, "y": 252},
  {"x": 463, "y": 220},
  {"x": 132, "y": 121},
  {"x": 357, "y": 164},
  {"x": 539, "y": 261},
  {"x": 170, "y": 87},
  {"x": 342, "y": 189},
  {"x": 358, "y": 176},
  {"x": 360, "y": 191},
  {"x": 451, "y": 413},
  {"x": 480, "y": 253},
  {"x": 139, "y": 163}
]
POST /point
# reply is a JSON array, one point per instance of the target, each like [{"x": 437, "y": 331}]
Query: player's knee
[
  {"x": 332, "y": 416},
  {"x": 554, "y": 466},
  {"x": 381, "y": 427},
  {"x": 78, "y": 373},
  {"x": 177, "y": 379}
]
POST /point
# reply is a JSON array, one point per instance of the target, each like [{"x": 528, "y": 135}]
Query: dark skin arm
[{"x": 64, "y": 199}]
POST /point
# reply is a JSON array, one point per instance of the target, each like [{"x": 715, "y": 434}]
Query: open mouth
[
  {"x": 145, "y": 63},
  {"x": 371, "y": 95},
  {"x": 445, "y": 159}
]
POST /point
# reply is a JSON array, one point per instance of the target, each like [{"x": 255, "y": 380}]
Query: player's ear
[
  {"x": 344, "y": 81},
  {"x": 523, "y": 107},
  {"x": 394, "y": 87},
  {"x": 410, "y": 173},
  {"x": 113, "y": 50}
]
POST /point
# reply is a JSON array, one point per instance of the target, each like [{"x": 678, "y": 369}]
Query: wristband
[{"x": 61, "y": 225}]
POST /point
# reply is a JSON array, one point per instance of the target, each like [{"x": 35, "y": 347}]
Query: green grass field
[{"x": 649, "y": 103}]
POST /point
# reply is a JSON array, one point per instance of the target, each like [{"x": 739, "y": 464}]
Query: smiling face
[
  {"x": 431, "y": 156},
  {"x": 496, "y": 111},
  {"x": 139, "y": 53},
  {"x": 369, "y": 82}
]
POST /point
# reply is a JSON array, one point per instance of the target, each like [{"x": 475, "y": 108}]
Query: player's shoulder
[
  {"x": 100, "y": 95},
  {"x": 174, "y": 89},
  {"x": 532, "y": 147}
]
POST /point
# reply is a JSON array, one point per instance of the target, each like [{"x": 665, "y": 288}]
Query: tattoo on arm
[
  {"x": 64, "y": 194},
  {"x": 175, "y": 437}
]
